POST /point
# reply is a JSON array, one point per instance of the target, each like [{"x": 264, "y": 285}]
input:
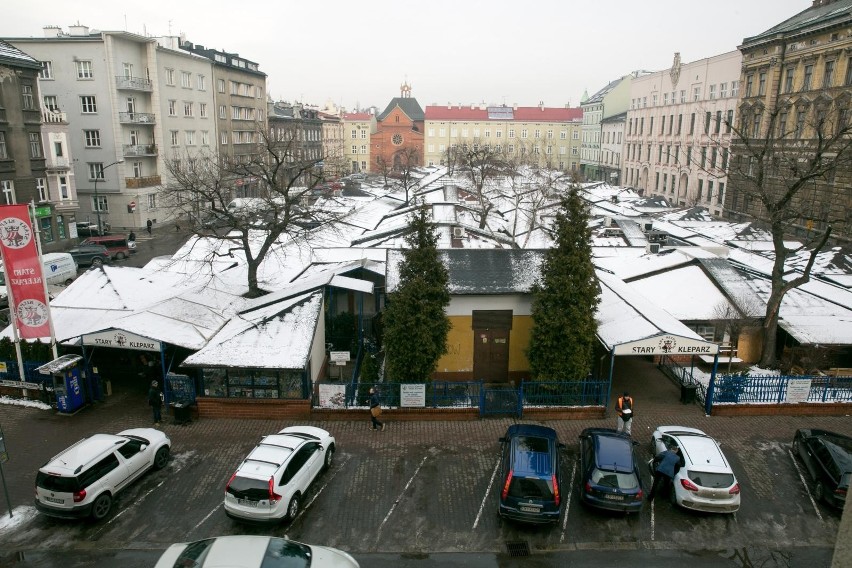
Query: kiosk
[{"x": 68, "y": 379}]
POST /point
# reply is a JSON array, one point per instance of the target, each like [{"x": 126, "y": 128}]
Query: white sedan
[
  {"x": 243, "y": 551},
  {"x": 705, "y": 481}
]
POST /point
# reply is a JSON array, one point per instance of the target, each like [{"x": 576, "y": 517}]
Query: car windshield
[
  {"x": 57, "y": 483},
  {"x": 531, "y": 488},
  {"x": 282, "y": 553},
  {"x": 249, "y": 488},
  {"x": 711, "y": 479},
  {"x": 194, "y": 554},
  {"x": 614, "y": 479}
]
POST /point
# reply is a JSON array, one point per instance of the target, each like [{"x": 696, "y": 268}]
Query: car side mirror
[{"x": 143, "y": 447}]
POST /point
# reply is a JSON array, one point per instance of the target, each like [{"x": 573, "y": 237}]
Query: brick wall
[
  {"x": 254, "y": 408},
  {"x": 804, "y": 409}
]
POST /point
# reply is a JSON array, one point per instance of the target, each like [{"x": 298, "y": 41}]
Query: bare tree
[
  {"x": 481, "y": 165},
  {"x": 204, "y": 185},
  {"x": 732, "y": 318},
  {"x": 784, "y": 158},
  {"x": 405, "y": 160}
]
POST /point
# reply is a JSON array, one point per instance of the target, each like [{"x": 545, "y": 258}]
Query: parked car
[
  {"x": 270, "y": 483},
  {"x": 117, "y": 245},
  {"x": 84, "y": 479},
  {"x": 705, "y": 481},
  {"x": 828, "y": 458},
  {"x": 85, "y": 229},
  {"x": 90, "y": 255},
  {"x": 610, "y": 472},
  {"x": 530, "y": 474},
  {"x": 244, "y": 551}
]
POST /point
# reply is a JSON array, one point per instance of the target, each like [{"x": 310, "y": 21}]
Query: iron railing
[{"x": 773, "y": 389}]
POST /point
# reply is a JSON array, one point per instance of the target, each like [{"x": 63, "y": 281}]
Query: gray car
[{"x": 90, "y": 255}]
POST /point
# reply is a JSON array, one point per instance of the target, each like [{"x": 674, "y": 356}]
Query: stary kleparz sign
[
  {"x": 667, "y": 345},
  {"x": 121, "y": 340}
]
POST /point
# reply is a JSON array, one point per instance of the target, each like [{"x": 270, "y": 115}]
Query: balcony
[
  {"x": 135, "y": 150},
  {"x": 57, "y": 163},
  {"x": 136, "y": 118},
  {"x": 52, "y": 116},
  {"x": 133, "y": 84},
  {"x": 138, "y": 182}
]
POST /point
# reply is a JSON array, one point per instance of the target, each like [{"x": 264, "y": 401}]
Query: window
[
  {"x": 50, "y": 103},
  {"x": 654, "y": 99},
  {"x": 755, "y": 129},
  {"x": 186, "y": 79},
  {"x": 782, "y": 124},
  {"x": 718, "y": 121},
  {"x": 671, "y": 123},
  {"x": 537, "y": 133},
  {"x": 88, "y": 105},
  {"x": 806, "y": 82},
  {"x": 679, "y": 122},
  {"x": 220, "y": 85},
  {"x": 93, "y": 138},
  {"x": 828, "y": 75},
  {"x": 735, "y": 89},
  {"x": 84, "y": 69},
  {"x": 223, "y": 139},
  {"x": 205, "y": 138},
  {"x": 174, "y": 137},
  {"x": 729, "y": 123},
  {"x": 665, "y": 98},
  {"x": 524, "y": 133},
  {"x": 709, "y": 191},
  {"x": 511, "y": 133},
  {"x": 549, "y": 134},
  {"x": 187, "y": 109},
  {"x": 170, "y": 77},
  {"x": 700, "y": 189},
  {"x": 202, "y": 110},
  {"x": 800, "y": 123},
  {"x": 172, "y": 107},
  {"x": 202, "y": 83},
  {"x": 363, "y": 135},
  {"x": 35, "y": 145},
  {"x": 41, "y": 187},
  {"x": 708, "y": 118},
  {"x": 749, "y": 85},
  {"x": 137, "y": 169},
  {"x": 58, "y": 150},
  {"x": 152, "y": 201},
  {"x": 4, "y": 153},
  {"x": 27, "y": 96},
  {"x": 761, "y": 83},
  {"x": 725, "y": 154},
  {"x": 8, "y": 189},
  {"x": 223, "y": 113},
  {"x": 712, "y": 91},
  {"x": 96, "y": 170},
  {"x": 363, "y": 148},
  {"x": 651, "y": 127},
  {"x": 720, "y": 195},
  {"x": 713, "y": 154},
  {"x": 788, "y": 79},
  {"x": 696, "y": 93},
  {"x": 723, "y": 90},
  {"x": 692, "y": 124},
  {"x": 190, "y": 138},
  {"x": 46, "y": 70}
]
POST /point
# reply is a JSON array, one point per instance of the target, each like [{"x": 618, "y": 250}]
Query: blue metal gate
[{"x": 504, "y": 400}]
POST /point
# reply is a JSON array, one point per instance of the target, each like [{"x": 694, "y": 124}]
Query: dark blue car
[
  {"x": 530, "y": 476},
  {"x": 610, "y": 471}
]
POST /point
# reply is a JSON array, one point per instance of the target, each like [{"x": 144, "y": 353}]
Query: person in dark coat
[
  {"x": 155, "y": 402},
  {"x": 148, "y": 225},
  {"x": 669, "y": 463},
  {"x": 131, "y": 237},
  {"x": 376, "y": 410}
]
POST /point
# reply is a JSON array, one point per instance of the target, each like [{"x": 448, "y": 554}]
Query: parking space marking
[
  {"x": 117, "y": 515},
  {"x": 652, "y": 517},
  {"x": 210, "y": 514},
  {"x": 399, "y": 497},
  {"x": 807, "y": 490},
  {"x": 568, "y": 502},
  {"x": 317, "y": 494},
  {"x": 487, "y": 491}
]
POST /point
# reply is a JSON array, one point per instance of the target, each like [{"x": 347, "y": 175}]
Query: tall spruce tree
[
  {"x": 564, "y": 300},
  {"x": 415, "y": 321}
]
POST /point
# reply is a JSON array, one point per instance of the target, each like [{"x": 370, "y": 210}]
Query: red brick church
[{"x": 398, "y": 140}]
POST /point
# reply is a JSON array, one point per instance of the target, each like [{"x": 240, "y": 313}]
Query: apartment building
[
  {"x": 358, "y": 127},
  {"x": 296, "y": 133},
  {"x": 612, "y": 140},
  {"x": 335, "y": 163},
  {"x": 127, "y": 98},
  {"x": 34, "y": 152},
  {"x": 607, "y": 102},
  {"x": 679, "y": 130},
  {"x": 797, "y": 87},
  {"x": 545, "y": 136}
]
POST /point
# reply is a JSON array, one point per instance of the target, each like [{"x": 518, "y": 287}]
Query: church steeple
[{"x": 405, "y": 90}]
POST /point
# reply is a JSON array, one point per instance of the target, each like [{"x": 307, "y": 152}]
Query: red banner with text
[{"x": 24, "y": 278}]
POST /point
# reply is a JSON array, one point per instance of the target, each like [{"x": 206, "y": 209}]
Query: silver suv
[{"x": 83, "y": 480}]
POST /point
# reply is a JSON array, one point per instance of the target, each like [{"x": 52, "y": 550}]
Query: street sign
[
  {"x": 43, "y": 211},
  {"x": 133, "y": 204},
  {"x": 339, "y": 356}
]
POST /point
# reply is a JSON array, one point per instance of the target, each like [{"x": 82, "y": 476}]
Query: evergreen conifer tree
[
  {"x": 415, "y": 321},
  {"x": 565, "y": 299}
]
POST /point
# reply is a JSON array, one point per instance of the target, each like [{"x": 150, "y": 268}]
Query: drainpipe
[{"x": 609, "y": 386}]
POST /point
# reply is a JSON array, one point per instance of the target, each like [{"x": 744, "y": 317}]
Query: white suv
[
  {"x": 705, "y": 481},
  {"x": 271, "y": 481},
  {"x": 83, "y": 480}
]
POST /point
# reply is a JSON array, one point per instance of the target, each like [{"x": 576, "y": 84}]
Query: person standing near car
[
  {"x": 155, "y": 402},
  {"x": 669, "y": 462},
  {"x": 376, "y": 409},
  {"x": 624, "y": 408},
  {"x": 148, "y": 225},
  {"x": 131, "y": 237}
]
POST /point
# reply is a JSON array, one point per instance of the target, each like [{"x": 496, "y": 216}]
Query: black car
[
  {"x": 828, "y": 458},
  {"x": 530, "y": 474},
  {"x": 610, "y": 472},
  {"x": 90, "y": 255}
]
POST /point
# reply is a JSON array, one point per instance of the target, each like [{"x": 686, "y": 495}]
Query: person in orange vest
[{"x": 624, "y": 408}]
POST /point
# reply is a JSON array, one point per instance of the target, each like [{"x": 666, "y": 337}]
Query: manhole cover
[{"x": 518, "y": 548}]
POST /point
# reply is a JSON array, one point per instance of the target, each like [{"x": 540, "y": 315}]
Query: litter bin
[
  {"x": 687, "y": 393},
  {"x": 182, "y": 413}
]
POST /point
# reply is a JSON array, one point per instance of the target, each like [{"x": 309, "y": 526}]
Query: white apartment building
[
  {"x": 678, "y": 134},
  {"x": 542, "y": 135},
  {"x": 357, "y": 128},
  {"x": 129, "y": 103},
  {"x": 607, "y": 102},
  {"x": 612, "y": 141}
]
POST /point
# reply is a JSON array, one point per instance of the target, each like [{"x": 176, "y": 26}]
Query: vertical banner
[{"x": 24, "y": 279}]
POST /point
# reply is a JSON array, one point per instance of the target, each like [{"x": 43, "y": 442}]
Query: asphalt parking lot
[{"x": 421, "y": 488}]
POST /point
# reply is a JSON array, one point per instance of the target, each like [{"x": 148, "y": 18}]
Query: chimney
[
  {"x": 472, "y": 106},
  {"x": 78, "y": 30},
  {"x": 449, "y": 105},
  {"x": 514, "y": 106},
  {"x": 482, "y": 105},
  {"x": 541, "y": 105},
  {"x": 52, "y": 31}
]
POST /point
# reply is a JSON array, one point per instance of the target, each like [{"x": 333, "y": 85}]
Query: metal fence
[
  {"x": 32, "y": 376},
  {"x": 574, "y": 393},
  {"x": 739, "y": 389}
]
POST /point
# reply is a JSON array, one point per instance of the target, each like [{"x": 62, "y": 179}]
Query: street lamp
[{"x": 97, "y": 203}]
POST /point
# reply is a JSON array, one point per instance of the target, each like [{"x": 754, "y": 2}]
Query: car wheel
[
  {"x": 101, "y": 506},
  {"x": 97, "y": 262},
  {"x": 120, "y": 256},
  {"x": 68, "y": 281},
  {"x": 796, "y": 446},
  {"x": 162, "y": 458},
  {"x": 329, "y": 456},
  {"x": 819, "y": 491},
  {"x": 293, "y": 507}
]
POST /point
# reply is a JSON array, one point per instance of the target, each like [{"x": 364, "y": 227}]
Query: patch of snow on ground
[
  {"x": 20, "y": 515},
  {"x": 22, "y": 402}
]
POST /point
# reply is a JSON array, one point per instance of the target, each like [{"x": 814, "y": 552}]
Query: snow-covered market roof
[{"x": 276, "y": 336}]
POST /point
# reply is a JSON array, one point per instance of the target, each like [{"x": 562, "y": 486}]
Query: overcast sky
[{"x": 460, "y": 51}]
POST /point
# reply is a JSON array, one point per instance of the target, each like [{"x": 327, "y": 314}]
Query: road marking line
[
  {"x": 395, "y": 503},
  {"x": 317, "y": 494},
  {"x": 139, "y": 500},
  {"x": 652, "y": 517},
  {"x": 568, "y": 502},
  {"x": 201, "y": 522},
  {"x": 808, "y": 491},
  {"x": 487, "y": 491}
]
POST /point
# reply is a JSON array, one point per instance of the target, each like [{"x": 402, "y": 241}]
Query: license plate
[
  {"x": 614, "y": 497},
  {"x": 530, "y": 509},
  {"x": 247, "y": 502},
  {"x": 54, "y": 500}
]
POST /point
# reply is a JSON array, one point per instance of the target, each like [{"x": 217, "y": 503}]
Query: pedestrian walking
[
  {"x": 669, "y": 463},
  {"x": 155, "y": 402},
  {"x": 376, "y": 409},
  {"x": 131, "y": 237},
  {"x": 624, "y": 408},
  {"x": 148, "y": 225}
]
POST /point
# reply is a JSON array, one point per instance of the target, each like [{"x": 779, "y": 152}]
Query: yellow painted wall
[
  {"x": 750, "y": 344},
  {"x": 459, "y": 356}
]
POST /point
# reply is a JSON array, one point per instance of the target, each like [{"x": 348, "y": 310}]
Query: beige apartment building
[
  {"x": 678, "y": 137},
  {"x": 357, "y": 129},
  {"x": 612, "y": 142},
  {"x": 545, "y": 136}
]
